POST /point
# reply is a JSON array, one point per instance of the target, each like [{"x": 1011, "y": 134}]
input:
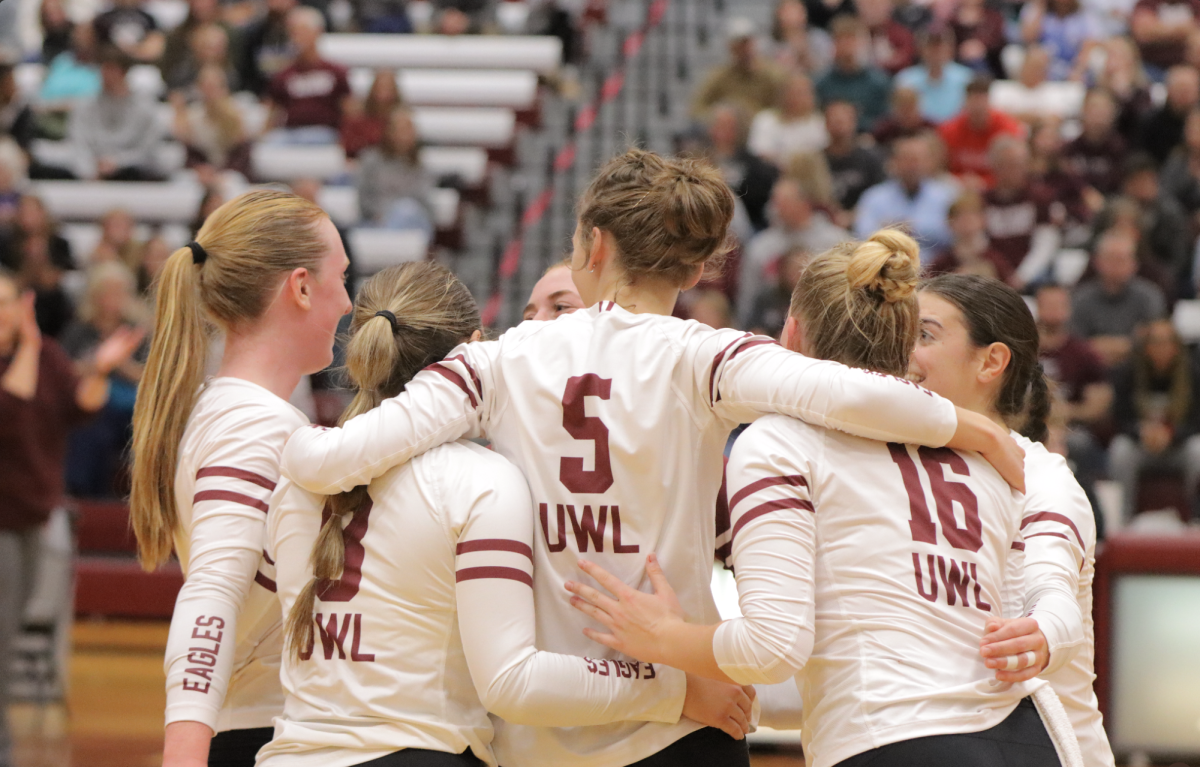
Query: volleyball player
[
  {"x": 553, "y": 295},
  {"x": 267, "y": 269},
  {"x": 428, "y": 586},
  {"x": 965, "y": 319},
  {"x": 618, "y": 415},
  {"x": 881, "y": 619}
]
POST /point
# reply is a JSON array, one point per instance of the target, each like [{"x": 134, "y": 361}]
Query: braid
[{"x": 1039, "y": 407}]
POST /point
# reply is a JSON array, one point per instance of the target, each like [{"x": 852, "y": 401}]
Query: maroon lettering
[
  {"x": 582, "y": 427},
  {"x": 196, "y": 634},
  {"x": 544, "y": 510},
  {"x": 355, "y": 655},
  {"x": 978, "y": 602},
  {"x": 933, "y": 590},
  {"x": 955, "y": 582},
  {"x": 591, "y": 664},
  {"x": 920, "y": 520},
  {"x": 946, "y": 492},
  {"x": 216, "y": 648},
  {"x": 206, "y": 673},
  {"x": 604, "y": 665},
  {"x": 649, "y": 671},
  {"x": 346, "y": 587},
  {"x": 331, "y": 636},
  {"x": 203, "y": 657},
  {"x": 588, "y": 527},
  {"x": 191, "y": 686},
  {"x": 636, "y": 665},
  {"x": 618, "y": 547},
  {"x": 211, "y": 621}
]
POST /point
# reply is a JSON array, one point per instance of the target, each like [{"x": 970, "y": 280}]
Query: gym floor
[{"x": 113, "y": 714}]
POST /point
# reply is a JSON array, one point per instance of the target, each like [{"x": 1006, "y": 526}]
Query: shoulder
[
  {"x": 779, "y": 435},
  {"x": 245, "y": 408},
  {"x": 467, "y": 473}
]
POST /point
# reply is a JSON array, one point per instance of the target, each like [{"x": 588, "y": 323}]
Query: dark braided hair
[{"x": 995, "y": 313}]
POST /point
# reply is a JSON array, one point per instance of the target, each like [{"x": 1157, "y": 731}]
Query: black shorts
[
  {"x": 708, "y": 747},
  {"x": 420, "y": 757},
  {"x": 1020, "y": 740},
  {"x": 238, "y": 748}
]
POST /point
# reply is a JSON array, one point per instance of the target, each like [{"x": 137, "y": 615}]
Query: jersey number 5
[
  {"x": 577, "y": 423},
  {"x": 343, "y": 589},
  {"x": 945, "y": 493}
]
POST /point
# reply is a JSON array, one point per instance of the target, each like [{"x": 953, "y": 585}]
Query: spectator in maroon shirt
[
  {"x": 306, "y": 97},
  {"x": 41, "y": 398},
  {"x": 1161, "y": 29},
  {"x": 980, "y": 33},
  {"x": 363, "y": 122},
  {"x": 1074, "y": 202},
  {"x": 1018, "y": 214},
  {"x": 1097, "y": 152},
  {"x": 1069, "y": 360},
  {"x": 969, "y": 135},
  {"x": 892, "y": 46},
  {"x": 904, "y": 120},
  {"x": 972, "y": 251}
]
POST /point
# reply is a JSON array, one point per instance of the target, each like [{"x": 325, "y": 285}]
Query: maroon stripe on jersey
[
  {"x": 742, "y": 348},
  {"x": 509, "y": 573},
  {"x": 229, "y": 471},
  {"x": 455, "y": 379},
  {"x": 1042, "y": 535},
  {"x": 712, "y": 376},
  {"x": 1018, "y": 545},
  {"x": 494, "y": 544},
  {"x": 265, "y": 582},
  {"x": 471, "y": 371},
  {"x": 761, "y": 484},
  {"x": 267, "y": 558},
  {"x": 229, "y": 495},
  {"x": 1050, "y": 516},
  {"x": 767, "y": 508}
]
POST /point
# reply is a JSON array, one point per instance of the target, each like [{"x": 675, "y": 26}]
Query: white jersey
[
  {"x": 618, "y": 421},
  {"x": 436, "y": 592},
  {"x": 885, "y": 561},
  {"x": 1059, "y": 530},
  {"x": 222, "y": 659}
]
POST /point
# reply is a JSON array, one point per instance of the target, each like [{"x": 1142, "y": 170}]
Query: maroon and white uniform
[
  {"x": 1059, "y": 530},
  {"x": 618, "y": 421},
  {"x": 222, "y": 659},
  {"x": 869, "y": 569},
  {"x": 431, "y": 624}
]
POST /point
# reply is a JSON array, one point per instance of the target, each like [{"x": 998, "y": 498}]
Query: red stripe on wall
[
  {"x": 507, "y": 573},
  {"x": 232, "y": 497},
  {"x": 229, "y": 471}
]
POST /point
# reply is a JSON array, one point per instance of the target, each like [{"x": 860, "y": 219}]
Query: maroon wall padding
[
  {"x": 120, "y": 588},
  {"x": 102, "y": 527},
  {"x": 1131, "y": 554}
]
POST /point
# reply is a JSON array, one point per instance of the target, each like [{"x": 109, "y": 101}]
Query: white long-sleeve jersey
[
  {"x": 618, "y": 421},
  {"x": 222, "y": 659},
  {"x": 1059, "y": 530},
  {"x": 432, "y": 623},
  {"x": 870, "y": 569}
]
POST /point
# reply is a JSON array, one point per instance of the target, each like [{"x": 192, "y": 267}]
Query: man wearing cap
[{"x": 746, "y": 80}]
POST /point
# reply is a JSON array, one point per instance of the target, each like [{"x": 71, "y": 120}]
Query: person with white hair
[{"x": 306, "y": 97}]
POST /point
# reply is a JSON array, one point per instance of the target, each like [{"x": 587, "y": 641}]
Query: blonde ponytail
[
  {"x": 433, "y": 312},
  {"x": 858, "y": 302},
  {"x": 249, "y": 243},
  {"x": 167, "y": 393}
]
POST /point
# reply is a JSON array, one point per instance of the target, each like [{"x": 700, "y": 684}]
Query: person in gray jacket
[
  {"x": 393, "y": 188},
  {"x": 115, "y": 134}
]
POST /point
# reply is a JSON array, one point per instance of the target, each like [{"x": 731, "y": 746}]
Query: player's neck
[
  {"x": 262, "y": 360},
  {"x": 644, "y": 299}
]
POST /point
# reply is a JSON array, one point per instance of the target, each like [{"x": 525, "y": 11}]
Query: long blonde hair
[
  {"x": 251, "y": 242},
  {"x": 858, "y": 302},
  {"x": 434, "y": 312}
]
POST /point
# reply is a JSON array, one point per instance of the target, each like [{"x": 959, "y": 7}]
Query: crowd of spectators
[
  {"x": 1052, "y": 144},
  {"x": 230, "y": 74}
]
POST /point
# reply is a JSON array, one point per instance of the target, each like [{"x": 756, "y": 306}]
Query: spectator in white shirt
[{"x": 794, "y": 126}]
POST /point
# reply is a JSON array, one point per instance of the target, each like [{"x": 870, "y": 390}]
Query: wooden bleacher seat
[
  {"x": 540, "y": 54},
  {"x": 515, "y": 89},
  {"x": 376, "y": 249}
]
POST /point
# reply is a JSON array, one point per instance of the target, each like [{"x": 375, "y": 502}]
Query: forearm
[
  {"x": 1041, "y": 254},
  {"x": 21, "y": 378},
  {"x": 689, "y": 647},
  {"x": 92, "y": 392},
  {"x": 186, "y": 744}
]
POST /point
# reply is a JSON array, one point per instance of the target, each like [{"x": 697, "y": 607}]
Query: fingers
[
  {"x": 604, "y": 577},
  {"x": 750, "y": 691},
  {"x": 657, "y": 579},
  {"x": 997, "y": 651},
  {"x": 998, "y": 630},
  {"x": 731, "y": 728},
  {"x": 595, "y": 613},
  {"x": 746, "y": 702},
  {"x": 589, "y": 594},
  {"x": 608, "y": 640}
]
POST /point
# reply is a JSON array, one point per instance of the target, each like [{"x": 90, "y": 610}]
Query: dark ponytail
[{"x": 995, "y": 313}]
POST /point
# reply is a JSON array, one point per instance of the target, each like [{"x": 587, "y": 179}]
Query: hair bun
[{"x": 888, "y": 264}]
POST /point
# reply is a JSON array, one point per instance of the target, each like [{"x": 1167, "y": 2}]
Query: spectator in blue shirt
[
  {"x": 912, "y": 198},
  {"x": 867, "y": 88},
  {"x": 940, "y": 81}
]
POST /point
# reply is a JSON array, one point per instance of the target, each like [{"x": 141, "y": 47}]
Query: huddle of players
[{"x": 366, "y": 595}]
